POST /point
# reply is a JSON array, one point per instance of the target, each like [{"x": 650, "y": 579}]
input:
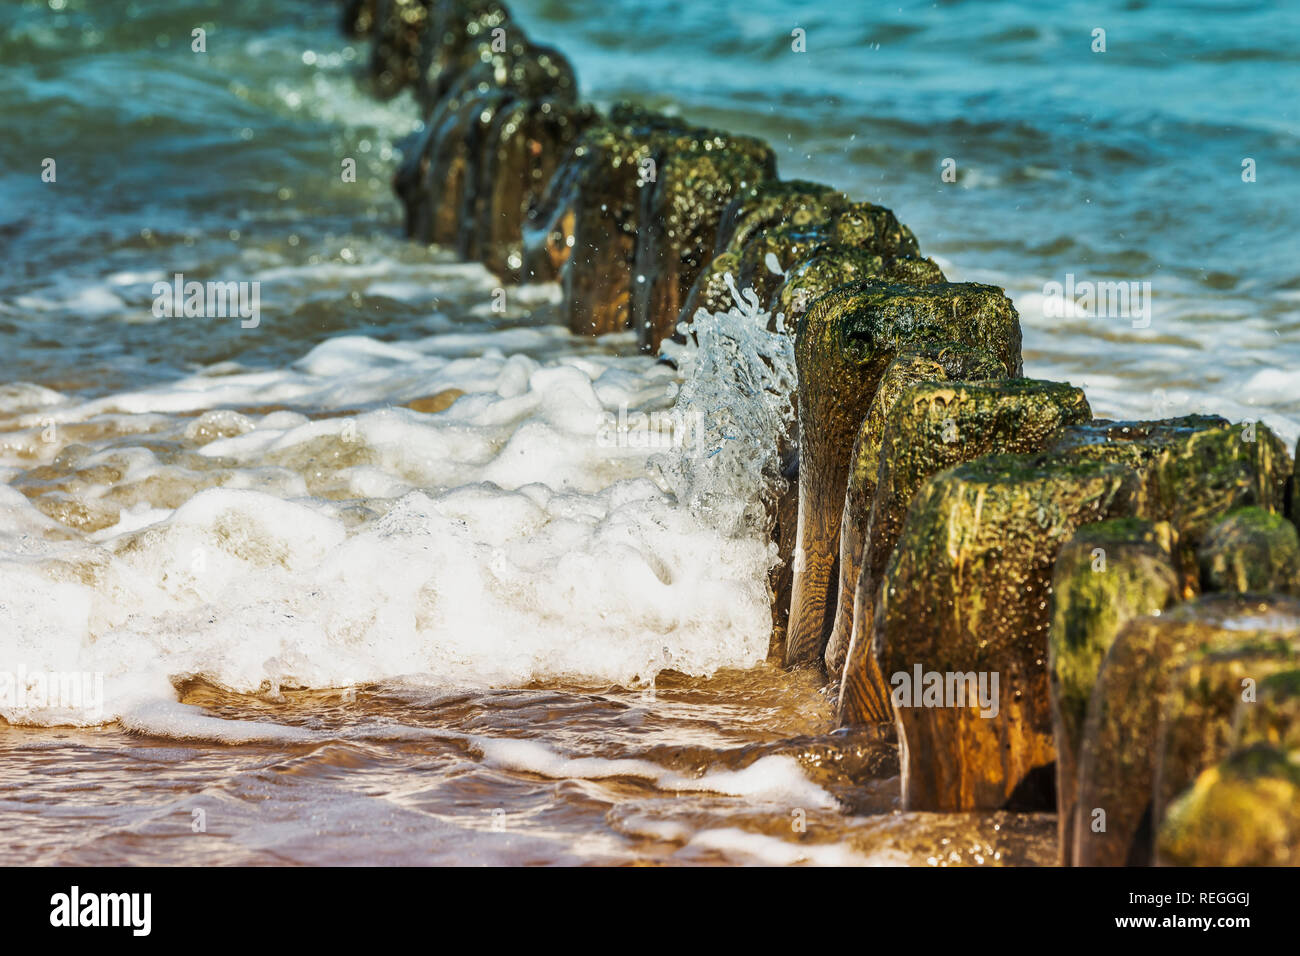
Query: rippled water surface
[
  {"x": 363, "y": 582},
  {"x": 727, "y": 770}
]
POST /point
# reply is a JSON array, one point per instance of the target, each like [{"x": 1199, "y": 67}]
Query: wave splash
[{"x": 493, "y": 543}]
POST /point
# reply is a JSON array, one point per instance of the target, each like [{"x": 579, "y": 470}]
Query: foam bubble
[{"x": 775, "y": 778}]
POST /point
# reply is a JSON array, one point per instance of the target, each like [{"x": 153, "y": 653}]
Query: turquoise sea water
[{"x": 1117, "y": 166}]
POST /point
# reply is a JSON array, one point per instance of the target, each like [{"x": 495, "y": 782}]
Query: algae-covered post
[
  {"x": 843, "y": 345},
  {"x": 967, "y": 592},
  {"x": 684, "y": 195},
  {"x": 932, "y": 426},
  {"x": 941, "y": 361},
  {"x": 1160, "y": 713},
  {"x": 1106, "y": 575}
]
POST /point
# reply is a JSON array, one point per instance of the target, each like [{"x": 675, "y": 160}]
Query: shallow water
[
  {"x": 702, "y": 771},
  {"x": 478, "y": 630}
]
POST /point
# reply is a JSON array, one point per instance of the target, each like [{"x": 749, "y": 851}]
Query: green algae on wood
[
  {"x": 549, "y": 231},
  {"x": 777, "y": 202},
  {"x": 1194, "y": 470},
  {"x": 1251, "y": 550},
  {"x": 614, "y": 166},
  {"x": 832, "y": 266},
  {"x": 398, "y": 31},
  {"x": 863, "y": 226},
  {"x": 604, "y": 200},
  {"x": 843, "y": 346},
  {"x": 1244, "y": 811},
  {"x": 681, "y": 208},
  {"x": 454, "y": 166},
  {"x": 464, "y": 33},
  {"x": 967, "y": 592},
  {"x": 1106, "y": 575},
  {"x": 930, "y": 428},
  {"x": 782, "y": 229},
  {"x": 937, "y": 362},
  {"x": 1272, "y": 714},
  {"x": 1197, "y": 715},
  {"x": 526, "y": 69},
  {"x": 1118, "y": 754},
  {"x": 752, "y": 266},
  {"x": 910, "y": 367}
]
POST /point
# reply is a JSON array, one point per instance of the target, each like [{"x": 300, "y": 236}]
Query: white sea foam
[
  {"x": 1176, "y": 366},
  {"x": 775, "y": 778},
  {"x": 24, "y": 397},
  {"x": 494, "y": 542},
  {"x": 167, "y": 718}
]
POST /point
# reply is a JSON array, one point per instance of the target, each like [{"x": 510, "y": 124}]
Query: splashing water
[
  {"x": 739, "y": 390},
  {"x": 264, "y": 551}
]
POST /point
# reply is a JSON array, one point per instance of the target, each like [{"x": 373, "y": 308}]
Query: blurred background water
[
  {"x": 1124, "y": 165},
  {"x": 1117, "y": 166}
]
